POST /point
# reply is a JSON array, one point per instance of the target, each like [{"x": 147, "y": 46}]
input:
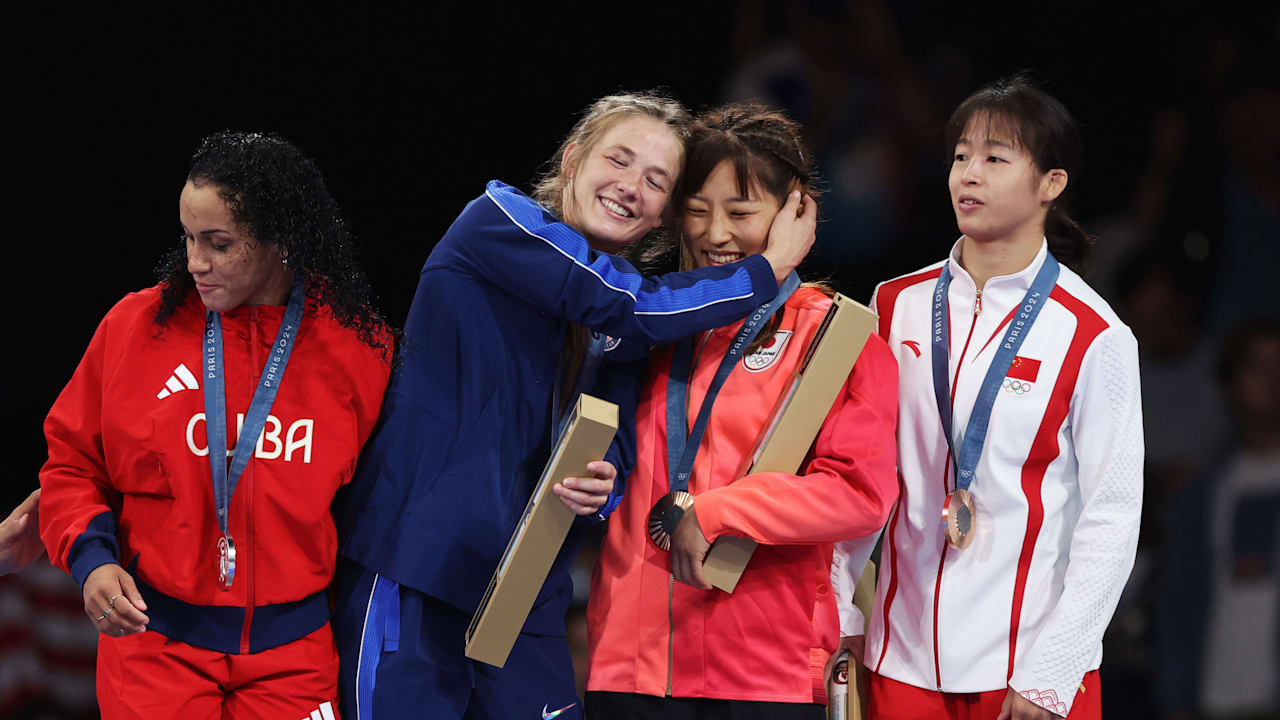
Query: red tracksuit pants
[
  {"x": 150, "y": 676},
  {"x": 893, "y": 700}
]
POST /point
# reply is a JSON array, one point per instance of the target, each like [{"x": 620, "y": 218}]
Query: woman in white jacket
[{"x": 1019, "y": 443}]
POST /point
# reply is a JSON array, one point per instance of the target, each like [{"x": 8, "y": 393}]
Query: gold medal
[
  {"x": 226, "y": 562},
  {"x": 959, "y": 518},
  {"x": 666, "y": 515}
]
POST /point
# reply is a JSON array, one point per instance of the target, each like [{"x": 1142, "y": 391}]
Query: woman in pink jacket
[{"x": 662, "y": 642}]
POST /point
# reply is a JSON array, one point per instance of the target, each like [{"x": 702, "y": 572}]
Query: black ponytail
[{"x": 1069, "y": 242}]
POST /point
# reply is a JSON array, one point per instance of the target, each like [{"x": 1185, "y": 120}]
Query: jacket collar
[{"x": 1019, "y": 281}]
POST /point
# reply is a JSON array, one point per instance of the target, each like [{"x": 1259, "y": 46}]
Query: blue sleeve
[
  {"x": 96, "y": 546},
  {"x": 507, "y": 239},
  {"x": 619, "y": 383}
]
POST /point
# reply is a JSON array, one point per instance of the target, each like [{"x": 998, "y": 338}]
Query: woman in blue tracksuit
[{"x": 467, "y": 421}]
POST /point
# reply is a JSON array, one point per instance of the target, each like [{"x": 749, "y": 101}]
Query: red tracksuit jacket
[
  {"x": 128, "y": 477},
  {"x": 653, "y": 636}
]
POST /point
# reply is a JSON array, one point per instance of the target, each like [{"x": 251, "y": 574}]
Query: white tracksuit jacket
[{"x": 1058, "y": 491}]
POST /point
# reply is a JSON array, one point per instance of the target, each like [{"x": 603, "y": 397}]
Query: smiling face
[
  {"x": 997, "y": 192},
  {"x": 720, "y": 225},
  {"x": 229, "y": 266},
  {"x": 620, "y": 184}
]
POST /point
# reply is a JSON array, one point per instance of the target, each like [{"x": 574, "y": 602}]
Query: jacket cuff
[
  {"x": 1056, "y": 700},
  {"x": 710, "y": 515},
  {"x": 763, "y": 283},
  {"x": 95, "y": 547},
  {"x": 615, "y": 497}
]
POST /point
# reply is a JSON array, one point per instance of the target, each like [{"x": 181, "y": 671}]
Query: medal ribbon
[
  {"x": 586, "y": 378},
  {"x": 682, "y": 445},
  {"x": 215, "y": 403},
  {"x": 966, "y": 461}
]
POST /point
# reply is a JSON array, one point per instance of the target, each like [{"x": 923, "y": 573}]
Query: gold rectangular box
[
  {"x": 796, "y": 419},
  {"x": 539, "y": 534}
]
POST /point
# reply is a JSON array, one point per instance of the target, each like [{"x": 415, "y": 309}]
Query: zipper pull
[{"x": 977, "y": 304}]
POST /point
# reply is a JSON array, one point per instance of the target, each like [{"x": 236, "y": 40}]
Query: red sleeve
[
  {"x": 77, "y": 520},
  {"x": 849, "y": 484}
]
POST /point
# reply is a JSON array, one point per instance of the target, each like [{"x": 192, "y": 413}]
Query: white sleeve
[
  {"x": 848, "y": 560},
  {"x": 1106, "y": 431}
]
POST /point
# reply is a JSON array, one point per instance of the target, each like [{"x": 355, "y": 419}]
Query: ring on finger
[
  {"x": 108, "y": 611},
  {"x": 100, "y": 618},
  {"x": 112, "y": 601}
]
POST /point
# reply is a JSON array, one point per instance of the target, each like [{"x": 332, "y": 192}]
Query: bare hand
[
  {"x": 586, "y": 495},
  {"x": 856, "y": 645},
  {"x": 112, "y": 601},
  {"x": 20, "y": 536},
  {"x": 689, "y": 547},
  {"x": 792, "y": 234},
  {"x": 1016, "y": 707}
]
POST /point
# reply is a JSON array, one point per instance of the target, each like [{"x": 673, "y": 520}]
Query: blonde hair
[{"x": 598, "y": 119}]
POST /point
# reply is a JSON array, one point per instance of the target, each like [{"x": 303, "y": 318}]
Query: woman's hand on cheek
[{"x": 794, "y": 230}]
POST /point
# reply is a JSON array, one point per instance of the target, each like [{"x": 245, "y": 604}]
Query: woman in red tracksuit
[
  {"x": 662, "y": 648},
  {"x": 261, "y": 326}
]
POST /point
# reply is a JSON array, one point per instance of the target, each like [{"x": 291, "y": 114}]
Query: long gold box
[
  {"x": 796, "y": 419},
  {"x": 539, "y": 534}
]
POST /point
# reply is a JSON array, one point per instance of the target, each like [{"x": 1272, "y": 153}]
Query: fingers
[
  {"x": 808, "y": 210},
  {"x": 688, "y": 550},
  {"x": 858, "y": 647},
  {"x": 127, "y": 617},
  {"x": 21, "y": 524},
  {"x": 584, "y": 496},
  {"x": 591, "y": 486},
  {"x": 30, "y": 506},
  {"x": 1006, "y": 707},
  {"x": 792, "y": 206},
  {"x": 687, "y": 568},
  {"x": 113, "y": 603},
  {"x": 603, "y": 469}
]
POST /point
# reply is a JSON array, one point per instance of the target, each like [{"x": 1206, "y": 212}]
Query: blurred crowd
[{"x": 1188, "y": 252}]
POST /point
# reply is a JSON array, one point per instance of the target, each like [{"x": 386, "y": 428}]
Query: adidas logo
[
  {"x": 324, "y": 712},
  {"x": 180, "y": 380}
]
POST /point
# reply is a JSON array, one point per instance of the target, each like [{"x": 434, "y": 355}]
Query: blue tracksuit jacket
[{"x": 466, "y": 423}]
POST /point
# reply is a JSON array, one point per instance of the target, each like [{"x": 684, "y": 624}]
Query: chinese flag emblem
[{"x": 1024, "y": 369}]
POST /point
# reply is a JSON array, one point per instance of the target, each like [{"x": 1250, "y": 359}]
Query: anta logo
[
  {"x": 611, "y": 343},
  {"x": 180, "y": 380},
  {"x": 915, "y": 346},
  {"x": 768, "y": 353},
  {"x": 270, "y": 444}
]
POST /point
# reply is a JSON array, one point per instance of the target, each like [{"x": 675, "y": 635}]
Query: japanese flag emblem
[{"x": 763, "y": 358}]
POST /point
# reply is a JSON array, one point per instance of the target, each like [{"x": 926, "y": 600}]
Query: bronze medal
[
  {"x": 666, "y": 515},
  {"x": 959, "y": 518},
  {"x": 226, "y": 562}
]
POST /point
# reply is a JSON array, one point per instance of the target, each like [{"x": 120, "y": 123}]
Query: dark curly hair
[{"x": 279, "y": 196}]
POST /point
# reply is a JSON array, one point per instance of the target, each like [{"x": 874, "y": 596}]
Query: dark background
[{"x": 409, "y": 111}]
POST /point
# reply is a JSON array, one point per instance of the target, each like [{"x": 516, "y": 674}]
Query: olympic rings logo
[{"x": 1017, "y": 387}]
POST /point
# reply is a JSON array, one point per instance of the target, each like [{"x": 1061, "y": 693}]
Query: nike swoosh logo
[{"x": 555, "y": 713}]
